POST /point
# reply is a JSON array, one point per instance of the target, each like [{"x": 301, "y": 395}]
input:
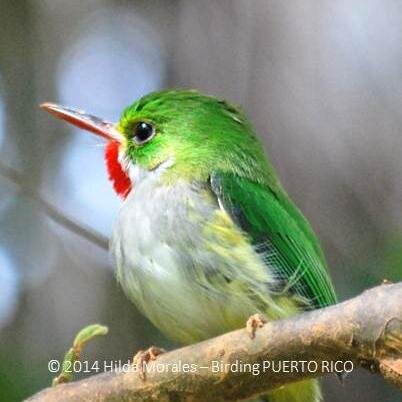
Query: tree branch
[
  {"x": 51, "y": 211},
  {"x": 366, "y": 330}
]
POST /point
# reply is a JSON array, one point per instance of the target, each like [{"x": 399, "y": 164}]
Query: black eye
[{"x": 143, "y": 132}]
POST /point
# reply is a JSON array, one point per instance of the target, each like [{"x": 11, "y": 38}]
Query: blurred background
[{"x": 321, "y": 82}]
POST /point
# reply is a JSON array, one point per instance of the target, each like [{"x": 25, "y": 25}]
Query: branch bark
[{"x": 365, "y": 330}]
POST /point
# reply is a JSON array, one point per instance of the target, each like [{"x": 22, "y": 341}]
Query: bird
[{"x": 206, "y": 236}]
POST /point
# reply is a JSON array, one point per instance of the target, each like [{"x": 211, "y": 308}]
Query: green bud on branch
[{"x": 74, "y": 353}]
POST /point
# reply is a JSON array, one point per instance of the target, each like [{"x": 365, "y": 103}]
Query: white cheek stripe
[{"x": 137, "y": 173}]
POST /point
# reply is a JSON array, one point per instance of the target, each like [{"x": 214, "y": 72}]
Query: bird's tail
[{"x": 301, "y": 391}]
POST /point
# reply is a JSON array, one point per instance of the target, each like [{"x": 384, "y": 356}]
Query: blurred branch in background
[
  {"x": 365, "y": 331},
  {"x": 51, "y": 211}
]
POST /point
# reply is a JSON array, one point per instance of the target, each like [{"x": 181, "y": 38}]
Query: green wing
[{"x": 280, "y": 233}]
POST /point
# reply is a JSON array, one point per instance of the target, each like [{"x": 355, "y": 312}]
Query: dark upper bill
[{"x": 83, "y": 120}]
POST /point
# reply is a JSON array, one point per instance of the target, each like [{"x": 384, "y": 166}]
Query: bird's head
[{"x": 185, "y": 132}]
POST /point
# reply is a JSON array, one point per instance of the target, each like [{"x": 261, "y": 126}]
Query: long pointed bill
[{"x": 83, "y": 120}]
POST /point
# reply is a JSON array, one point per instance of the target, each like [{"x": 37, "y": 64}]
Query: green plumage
[
  {"x": 212, "y": 140},
  {"x": 278, "y": 230}
]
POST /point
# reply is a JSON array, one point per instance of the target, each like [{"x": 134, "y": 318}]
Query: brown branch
[
  {"x": 366, "y": 330},
  {"x": 51, "y": 211}
]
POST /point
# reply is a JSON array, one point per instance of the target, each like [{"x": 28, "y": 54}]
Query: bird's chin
[{"x": 137, "y": 173}]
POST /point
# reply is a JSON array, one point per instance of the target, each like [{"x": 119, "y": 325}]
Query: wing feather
[{"x": 280, "y": 233}]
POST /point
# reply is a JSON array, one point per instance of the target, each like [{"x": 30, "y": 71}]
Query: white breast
[{"x": 165, "y": 266}]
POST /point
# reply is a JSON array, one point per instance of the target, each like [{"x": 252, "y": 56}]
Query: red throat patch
[{"x": 119, "y": 178}]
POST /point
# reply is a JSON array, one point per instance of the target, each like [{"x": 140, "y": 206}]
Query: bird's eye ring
[{"x": 143, "y": 132}]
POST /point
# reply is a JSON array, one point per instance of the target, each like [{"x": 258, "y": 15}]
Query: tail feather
[{"x": 301, "y": 391}]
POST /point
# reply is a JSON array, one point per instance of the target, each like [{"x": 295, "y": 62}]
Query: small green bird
[{"x": 206, "y": 236}]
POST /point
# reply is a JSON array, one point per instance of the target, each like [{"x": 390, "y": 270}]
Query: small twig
[{"x": 51, "y": 211}]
